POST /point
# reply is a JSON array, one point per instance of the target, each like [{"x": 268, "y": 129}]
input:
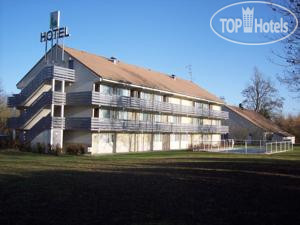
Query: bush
[
  {"x": 24, "y": 147},
  {"x": 55, "y": 150},
  {"x": 76, "y": 149},
  {"x": 40, "y": 148}
]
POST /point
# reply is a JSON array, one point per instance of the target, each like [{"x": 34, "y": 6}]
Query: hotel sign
[{"x": 55, "y": 31}]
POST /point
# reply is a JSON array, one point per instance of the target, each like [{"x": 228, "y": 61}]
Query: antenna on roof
[{"x": 189, "y": 67}]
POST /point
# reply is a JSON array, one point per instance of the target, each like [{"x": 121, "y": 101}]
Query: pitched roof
[
  {"x": 258, "y": 120},
  {"x": 127, "y": 73}
]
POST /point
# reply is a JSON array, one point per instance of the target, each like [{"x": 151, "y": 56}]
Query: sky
[{"x": 164, "y": 35}]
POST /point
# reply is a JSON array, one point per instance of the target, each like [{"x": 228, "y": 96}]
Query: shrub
[
  {"x": 76, "y": 149},
  {"x": 40, "y": 148}
]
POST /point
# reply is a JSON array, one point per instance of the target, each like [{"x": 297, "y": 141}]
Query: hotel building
[{"x": 110, "y": 106}]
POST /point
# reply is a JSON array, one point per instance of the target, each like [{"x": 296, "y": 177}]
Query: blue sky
[{"x": 164, "y": 35}]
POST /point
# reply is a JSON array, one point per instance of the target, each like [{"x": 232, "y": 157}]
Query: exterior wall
[
  {"x": 78, "y": 111},
  {"x": 101, "y": 143},
  {"x": 143, "y": 142},
  {"x": 242, "y": 129},
  {"x": 157, "y": 142},
  {"x": 42, "y": 138},
  {"x": 84, "y": 79},
  {"x": 196, "y": 139},
  {"x": 215, "y": 139},
  {"x": 78, "y": 137},
  {"x": 123, "y": 142},
  {"x": 174, "y": 142},
  {"x": 185, "y": 141}
]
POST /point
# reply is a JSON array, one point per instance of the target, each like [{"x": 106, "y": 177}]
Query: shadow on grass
[{"x": 207, "y": 192}]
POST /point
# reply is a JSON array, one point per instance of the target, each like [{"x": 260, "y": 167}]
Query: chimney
[
  {"x": 173, "y": 76},
  {"x": 113, "y": 60},
  {"x": 241, "y": 106}
]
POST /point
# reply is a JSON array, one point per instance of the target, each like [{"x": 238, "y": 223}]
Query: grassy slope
[{"x": 150, "y": 188}]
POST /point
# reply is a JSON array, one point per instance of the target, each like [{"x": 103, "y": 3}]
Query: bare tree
[
  {"x": 289, "y": 56},
  {"x": 261, "y": 96},
  {"x": 5, "y": 112}
]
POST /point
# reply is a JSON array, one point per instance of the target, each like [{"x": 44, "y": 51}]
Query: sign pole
[
  {"x": 63, "y": 49},
  {"x": 46, "y": 48}
]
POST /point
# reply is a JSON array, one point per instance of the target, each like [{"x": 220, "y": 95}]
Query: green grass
[{"x": 177, "y": 187}]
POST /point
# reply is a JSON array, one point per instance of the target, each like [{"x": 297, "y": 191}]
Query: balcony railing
[
  {"x": 47, "y": 73},
  {"x": 95, "y": 98},
  {"x": 47, "y": 122},
  {"x": 96, "y": 124}
]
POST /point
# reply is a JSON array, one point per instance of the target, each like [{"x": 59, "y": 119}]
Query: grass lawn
[{"x": 150, "y": 188}]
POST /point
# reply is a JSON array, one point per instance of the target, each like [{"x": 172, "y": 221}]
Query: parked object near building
[
  {"x": 109, "y": 106},
  {"x": 247, "y": 124}
]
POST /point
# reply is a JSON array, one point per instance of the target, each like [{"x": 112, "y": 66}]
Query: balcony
[
  {"x": 44, "y": 75},
  {"x": 96, "y": 124},
  {"x": 95, "y": 98}
]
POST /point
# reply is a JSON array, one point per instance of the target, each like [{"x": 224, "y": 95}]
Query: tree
[
  {"x": 5, "y": 112},
  {"x": 262, "y": 96},
  {"x": 289, "y": 56},
  {"x": 291, "y": 124}
]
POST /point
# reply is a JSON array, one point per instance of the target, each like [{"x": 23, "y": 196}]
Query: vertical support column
[
  {"x": 151, "y": 141},
  {"x": 14, "y": 130},
  {"x": 115, "y": 142}
]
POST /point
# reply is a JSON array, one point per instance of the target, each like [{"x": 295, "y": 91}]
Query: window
[
  {"x": 96, "y": 112},
  {"x": 146, "y": 96},
  {"x": 198, "y": 105},
  {"x": 165, "y": 98},
  {"x": 158, "y": 98},
  {"x": 57, "y": 111},
  {"x": 157, "y": 118},
  {"x": 144, "y": 117},
  {"x": 122, "y": 115},
  {"x": 97, "y": 87},
  {"x": 177, "y": 137},
  {"x": 205, "y": 106},
  {"x": 132, "y": 93},
  {"x": 58, "y": 85},
  {"x": 122, "y": 92},
  {"x": 105, "y": 89},
  {"x": 216, "y": 122},
  {"x": 105, "y": 114},
  {"x": 177, "y": 119},
  {"x": 71, "y": 64}
]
